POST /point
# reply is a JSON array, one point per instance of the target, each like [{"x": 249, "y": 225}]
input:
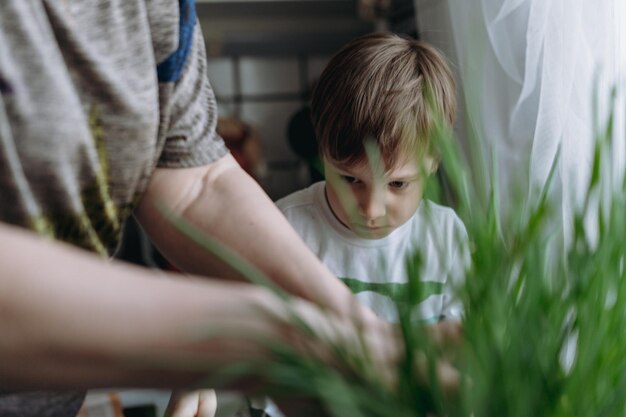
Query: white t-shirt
[{"x": 376, "y": 269}]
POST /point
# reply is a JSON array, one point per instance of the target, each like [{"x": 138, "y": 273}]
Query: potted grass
[{"x": 544, "y": 331}]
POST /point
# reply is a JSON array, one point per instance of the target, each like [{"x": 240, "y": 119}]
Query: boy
[{"x": 368, "y": 217}]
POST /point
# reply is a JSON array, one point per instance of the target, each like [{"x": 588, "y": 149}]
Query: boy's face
[{"x": 373, "y": 203}]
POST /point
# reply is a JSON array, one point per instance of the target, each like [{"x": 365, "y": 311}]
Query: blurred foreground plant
[{"x": 544, "y": 332}]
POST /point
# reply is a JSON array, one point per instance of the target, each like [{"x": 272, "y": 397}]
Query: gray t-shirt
[{"x": 93, "y": 96}]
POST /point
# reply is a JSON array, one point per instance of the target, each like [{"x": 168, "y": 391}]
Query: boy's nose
[{"x": 373, "y": 205}]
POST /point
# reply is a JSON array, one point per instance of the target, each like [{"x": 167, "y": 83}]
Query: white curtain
[{"x": 527, "y": 70}]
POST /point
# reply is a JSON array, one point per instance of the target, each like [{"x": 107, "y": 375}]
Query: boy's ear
[{"x": 431, "y": 164}]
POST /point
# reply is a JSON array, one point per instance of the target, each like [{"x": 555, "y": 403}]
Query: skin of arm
[{"x": 70, "y": 319}]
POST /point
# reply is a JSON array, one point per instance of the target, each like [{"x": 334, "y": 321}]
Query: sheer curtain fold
[{"x": 529, "y": 70}]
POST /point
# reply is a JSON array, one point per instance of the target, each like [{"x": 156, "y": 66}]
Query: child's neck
[{"x": 330, "y": 206}]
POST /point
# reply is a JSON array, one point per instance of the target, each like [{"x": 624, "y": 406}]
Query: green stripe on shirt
[{"x": 397, "y": 291}]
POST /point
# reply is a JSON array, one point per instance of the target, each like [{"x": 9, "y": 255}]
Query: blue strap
[{"x": 171, "y": 69}]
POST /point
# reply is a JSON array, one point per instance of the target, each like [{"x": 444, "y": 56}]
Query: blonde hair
[{"x": 386, "y": 88}]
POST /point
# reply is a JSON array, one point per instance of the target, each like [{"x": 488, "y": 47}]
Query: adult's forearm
[
  {"x": 69, "y": 319},
  {"x": 225, "y": 203}
]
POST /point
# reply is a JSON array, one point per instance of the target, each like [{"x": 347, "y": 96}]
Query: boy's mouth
[
  {"x": 375, "y": 226},
  {"x": 370, "y": 229}
]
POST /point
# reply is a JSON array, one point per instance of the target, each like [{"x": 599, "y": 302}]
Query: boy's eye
[
  {"x": 349, "y": 179},
  {"x": 399, "y": 185}
]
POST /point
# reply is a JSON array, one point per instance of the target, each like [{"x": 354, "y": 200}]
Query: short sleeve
[{"x": 189, "y": 102}]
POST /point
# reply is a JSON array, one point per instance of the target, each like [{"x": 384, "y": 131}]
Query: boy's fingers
[
  {"x": 447, "y": 336},
  {"x": 447, "y": 333},
  {"x": 182, "y": 404},
  {"x": 448, "y": 377},
  {"x": 200, "y": 403},
  {"x": 207, "y": 403}
]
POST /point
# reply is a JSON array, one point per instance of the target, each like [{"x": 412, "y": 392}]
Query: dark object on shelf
[
  {"x": 140, "y": 411},
  {"x": 301, "y": 137}
]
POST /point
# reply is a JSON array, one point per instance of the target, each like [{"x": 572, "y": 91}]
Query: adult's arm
[
  {"x": 72, "y": 320},
  {"x": 224, "y": 202}
]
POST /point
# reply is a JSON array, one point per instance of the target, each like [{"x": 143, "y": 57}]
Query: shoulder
[
  {"x": 438, "y": 212},
  {"x": 300, "y": 199},
  {"x": 443, "y": 220},
  {"x": 304, "y": 211}
]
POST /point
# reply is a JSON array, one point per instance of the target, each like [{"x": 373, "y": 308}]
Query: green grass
[{"x": 544, "y": 332}]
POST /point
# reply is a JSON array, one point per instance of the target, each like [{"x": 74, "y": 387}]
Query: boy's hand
[
  {"x": 199, "y": 403},
  {"x": 447, "y": 337},
  {"x": 380, "y": 341}
]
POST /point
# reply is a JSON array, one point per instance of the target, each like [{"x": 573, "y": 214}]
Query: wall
[{"x": 263, "y": 57}]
